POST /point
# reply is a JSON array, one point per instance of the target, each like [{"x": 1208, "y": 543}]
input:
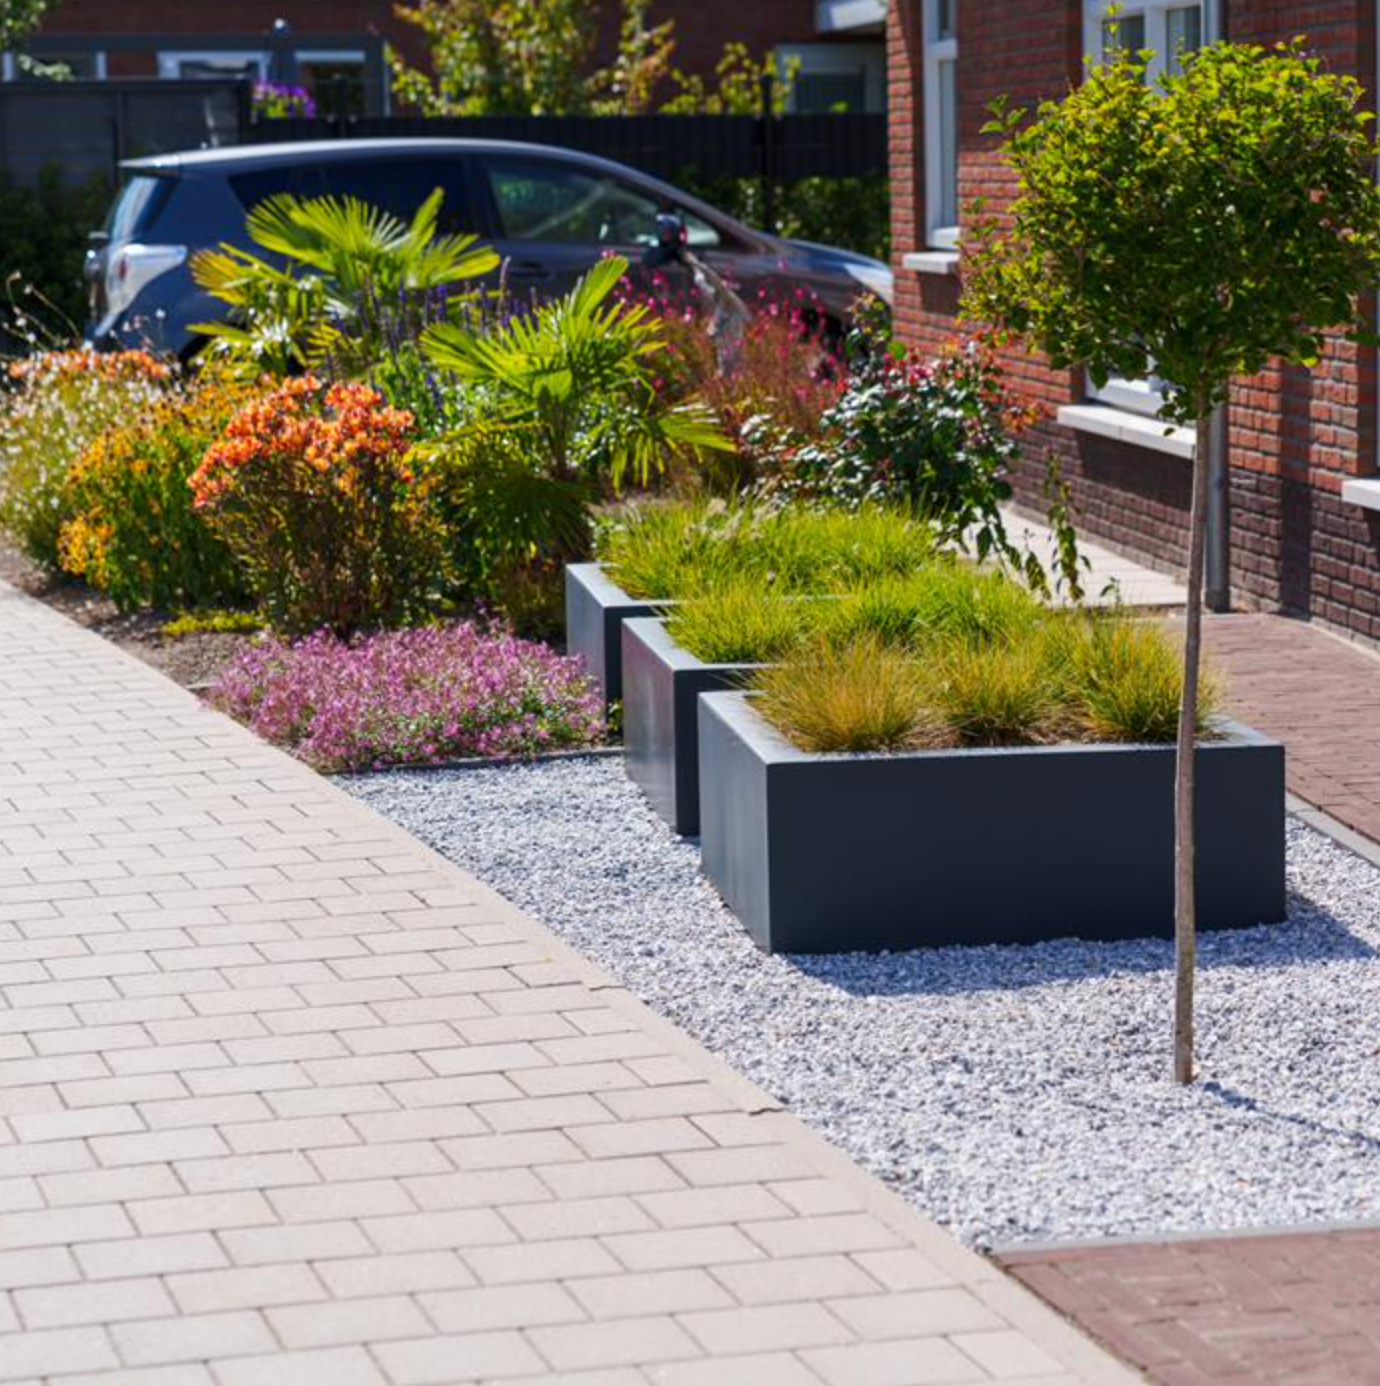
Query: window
[
  {"x": 833, "y": 77},
  {"x": 567, "y": 204},
  {"x": 186, "y": 65},
  {"x": 1170, "y": 29},
  {"x": 69, "y": 66},
  {"x": 335, "y": 81},
  {"x": 399, "y": 186},
  {"x": 940, "y": 78}
]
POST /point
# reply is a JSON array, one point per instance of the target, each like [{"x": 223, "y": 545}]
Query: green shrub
[
  {"x": 854, "y": 695},
  {"x": 43, "y": 229},
  {"x": 212, "y": 623},
  {"x": 57, "y": 405},
  {"x": 132, "y": 532}
]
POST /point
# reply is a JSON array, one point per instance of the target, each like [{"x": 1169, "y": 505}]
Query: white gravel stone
[{"x": 1013, "y": 1094}]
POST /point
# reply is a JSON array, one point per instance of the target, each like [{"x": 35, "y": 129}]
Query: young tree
[{"x": 1195, "y": 229}]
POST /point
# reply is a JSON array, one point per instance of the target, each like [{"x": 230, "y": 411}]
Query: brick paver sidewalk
[
  {"x": 286, "y": 1099},
  {"x": 1319, "y": 695},
  {"x": 1236, "y": 1311}
]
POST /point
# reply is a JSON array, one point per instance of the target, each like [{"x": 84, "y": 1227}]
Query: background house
[
  {"x": 1298, "y": 518},
  {"x": 334, "y": 44}
]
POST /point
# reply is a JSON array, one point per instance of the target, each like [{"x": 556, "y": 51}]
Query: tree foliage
[
  {"x": 1197, "y": 228},
  {"x": 1192, "y": 228},
  {"x": 19, "y": 18}
]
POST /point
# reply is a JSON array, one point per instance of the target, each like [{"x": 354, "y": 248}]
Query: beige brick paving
[{"x": 285, "y": 1098}]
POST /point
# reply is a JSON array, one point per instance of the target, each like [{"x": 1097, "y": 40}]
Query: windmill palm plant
[
  {"x": 349, "y": 281},
  {"x": 578, "y": 382}
]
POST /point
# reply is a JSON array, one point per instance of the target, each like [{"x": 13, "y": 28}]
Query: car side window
[
  {"x": 561, "y": 203},
  {"x": 399, "y": 186},
  {"x": 700, "y": 235}
]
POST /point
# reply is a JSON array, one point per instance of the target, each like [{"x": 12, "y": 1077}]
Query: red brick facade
[
  {"x": 1293, "y": 436},
  {"x": 702, "y": 27}
]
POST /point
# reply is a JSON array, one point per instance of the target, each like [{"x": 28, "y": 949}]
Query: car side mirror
[{"x": 671, "y": 240}]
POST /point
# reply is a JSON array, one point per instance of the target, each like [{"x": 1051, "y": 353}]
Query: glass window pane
[
  {"x": 947, "y": 211},
  {"x": 944, "y": 18},
  {"x": 1125, "y": 33},
  {"x": 564, "y": 204},
  {"x": 1184, "y": 33},
  {"x": 335, "y": 84}
]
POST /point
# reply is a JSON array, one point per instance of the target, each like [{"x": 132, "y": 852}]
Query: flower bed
[{"x": 412, "y": 697}]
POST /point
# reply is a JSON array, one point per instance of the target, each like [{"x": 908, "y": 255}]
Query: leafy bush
[
  {"x": 211, "y": 623},
  {"x": 410, "y": 697},
  {"x": 132, "y": 531},
  {"x": 687, "y": 548},
  {"x": 314, "y": 491},
  {"x": 43, "y": 229},
  {"x": 57, "y": 405}
]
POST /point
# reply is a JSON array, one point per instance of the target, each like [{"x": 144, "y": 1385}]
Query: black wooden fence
[
  {"x": 86, "y": 128},
  {"x": 781, "y": 148}
]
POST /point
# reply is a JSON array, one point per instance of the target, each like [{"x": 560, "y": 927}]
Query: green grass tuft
[{"x": 736, "y": 625}]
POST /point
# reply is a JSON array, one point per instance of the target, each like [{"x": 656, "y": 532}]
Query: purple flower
[{"x": 412, "y": 697}]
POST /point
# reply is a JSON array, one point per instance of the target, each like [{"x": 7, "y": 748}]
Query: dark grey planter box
[
  {"x": 661, "y": 685},
  {"x": 839, "y": 853},
  {"x": 595, "y": 609}
]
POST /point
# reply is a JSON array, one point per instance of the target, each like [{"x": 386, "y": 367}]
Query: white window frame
[
  {"x": 1144, "y": 396},
  {"x": 937, "y": 51},
  {"x": 170, "y": 60}
]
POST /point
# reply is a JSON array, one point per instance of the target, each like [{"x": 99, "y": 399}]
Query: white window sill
[
  {"x": 931, "y": 261},
  {"x": 1137, "y": 430},
  {"x": 1364, "y": 491}
]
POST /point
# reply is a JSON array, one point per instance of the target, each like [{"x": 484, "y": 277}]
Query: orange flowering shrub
[
  {"x": 132, "y": 531},
  {"x": 315, "y": 490},
  {"x": 55, "y": 405}
]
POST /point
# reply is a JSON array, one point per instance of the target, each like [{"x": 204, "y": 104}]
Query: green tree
[
  {"x": 500, "y": 57},
  {"x": 18, "y": 19},
  {"x": 1195, "y": 228}
]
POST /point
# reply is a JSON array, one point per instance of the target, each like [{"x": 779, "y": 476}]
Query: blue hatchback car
[{"x": 550, "y": 213}]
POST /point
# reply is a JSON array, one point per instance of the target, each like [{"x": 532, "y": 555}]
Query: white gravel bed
[{"x": 1013, "y": 1094}]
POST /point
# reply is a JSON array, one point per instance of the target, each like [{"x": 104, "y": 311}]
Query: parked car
[{"x": 550, "y": 213}]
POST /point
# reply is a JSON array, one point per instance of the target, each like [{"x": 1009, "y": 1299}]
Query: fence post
[{"x": 766, "y": 151}]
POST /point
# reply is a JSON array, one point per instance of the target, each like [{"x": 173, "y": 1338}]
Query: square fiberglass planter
[
  {"x": 595, "y": 609},
  {"x": 843, "y": 853},
  {"x": 661, "y": 685}
]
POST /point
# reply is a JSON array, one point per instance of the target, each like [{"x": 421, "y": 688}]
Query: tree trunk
[{"x": 1185, "y": 906}]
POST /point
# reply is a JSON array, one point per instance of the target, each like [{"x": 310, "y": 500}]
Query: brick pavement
[
  {"x": 285, "y": 1098},
  {"x": 1288, "y": 1310},
  {"x": 1318, "y": 694}
]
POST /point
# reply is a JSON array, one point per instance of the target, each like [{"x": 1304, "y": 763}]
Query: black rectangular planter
[
  {"x": 661, "y": 685},
  {"x": 843, "y": 853},
  {"x": 595, "y": 609}
]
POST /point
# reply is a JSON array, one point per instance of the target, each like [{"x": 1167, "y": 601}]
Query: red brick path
[
  {"x": 1320, "y": 696},
  {"x": 1297, "y": 1310}
]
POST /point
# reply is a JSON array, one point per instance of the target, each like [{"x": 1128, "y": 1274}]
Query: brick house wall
[
  {"x": 702, "y": 27},
  {"x": 1293, "y": 436}
]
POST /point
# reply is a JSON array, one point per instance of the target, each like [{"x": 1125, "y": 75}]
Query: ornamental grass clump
[
  {"x": 57, "y": 404},
  {"x": 856, "y": 695},
  {"x": 738, "y": 624},
  {"x": 684, "y": 549},
  {"x": 413, "y": 697},
  {"x": 316, "y": 492}
]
